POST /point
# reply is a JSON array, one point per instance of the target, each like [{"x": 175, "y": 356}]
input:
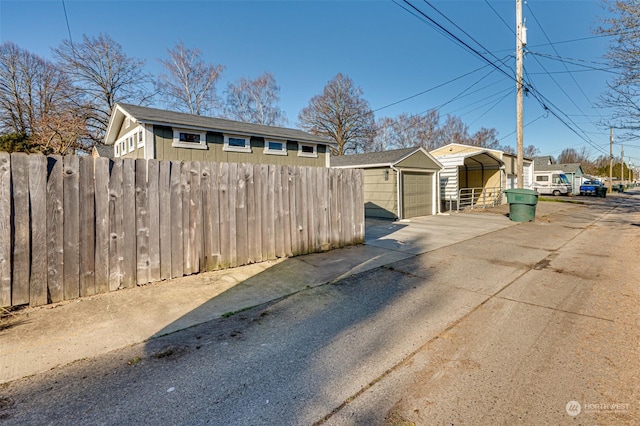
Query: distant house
[
  {"x": 573, "y": 171},
  {"x": 142, "y": 132},
  {"x": 511, "y": 171},
  {"x": 102, "y": 151},
  {"x": 398, "y": 184}
]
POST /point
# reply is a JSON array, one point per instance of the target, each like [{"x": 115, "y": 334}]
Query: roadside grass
[{"x": 560, "y": 200}]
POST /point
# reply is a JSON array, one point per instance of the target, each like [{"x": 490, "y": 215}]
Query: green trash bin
[{"x": 522, "y": 204}]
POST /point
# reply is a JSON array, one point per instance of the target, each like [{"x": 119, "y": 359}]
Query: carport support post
[{"x": 520, "y": 42}]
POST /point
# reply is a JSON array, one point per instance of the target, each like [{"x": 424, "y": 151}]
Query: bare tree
[
  {"x": 453, "y": 131},
  {"x": 105, "y": 75},
  {"x": 485, "y": 138},
  {"x": 37, "y": 100},
  {"x": 623, "y": 94},
  {"x": 407, "y": 130},
  {"x": 190, "y": 83},
  {"x": 571, "y": 155},
  {"x": 530, "y": 151},
  {"x": 340, "y": 114},
  {"x": 255, "y": 101}
]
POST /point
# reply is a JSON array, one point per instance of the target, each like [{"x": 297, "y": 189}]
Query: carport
[
  {"x": 471, "y": 179},
  {"x": 398, "y": 184}
]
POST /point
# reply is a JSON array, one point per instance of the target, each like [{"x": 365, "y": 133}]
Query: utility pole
[
  {"x": 520, "y": 42},
  {"x": 622, "y": 161},
  {"x": 610, "y": 159}
]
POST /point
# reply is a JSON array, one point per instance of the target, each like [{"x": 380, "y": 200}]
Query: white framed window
[
  {"x": 116, "y": 149},
  {"x": 140, "y": 138},
  {"x": 237, "y": 143},
  {"x": 183, "y": 138},
  {"x": 132, "y": 145},
  {"x": 307, "y": 150},
  {"x": 275, "y": 147},
  {"x": 127, "y": 123}
]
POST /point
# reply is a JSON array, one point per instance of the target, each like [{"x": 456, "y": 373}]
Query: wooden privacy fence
[{"x": 77, "y": 226}]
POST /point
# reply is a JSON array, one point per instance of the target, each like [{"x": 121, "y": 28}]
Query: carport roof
[
  {"x": 377, "y": 159},
  {"x": 484, "y": 158}
]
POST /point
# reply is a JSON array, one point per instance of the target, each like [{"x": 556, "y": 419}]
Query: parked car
[
  {"x": 593, "y": 187},
  {"x": 617, "y": 186}
]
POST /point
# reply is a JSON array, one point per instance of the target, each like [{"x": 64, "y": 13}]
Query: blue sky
[{"x": 388, "y": 52}]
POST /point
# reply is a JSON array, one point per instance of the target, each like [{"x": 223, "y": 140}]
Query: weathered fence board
[
  {"x": 21, "y": 239},
  {"x": 195, "y": 217},
  {"x": 129, "y": 261},
  {"x": 142, "y": 223},
  {"x": 242, "y": 254},
  {"x": 71, "y": 207},
  {"x": 87, "y": 227},
  {"x": 5, "y": 229},
  {"x": 55, "y": 228},
  {"x": 77, "y": 226},
  {"x": 38, "y": 212},
  {"x": 185, "y": 185},
  {"x": 293, "y": 224},
  {"x": 225, "y": 244},
  {"x": 164, "y": 209},
  {"x": 116, "y": 235},
  {"x": 251, "y": 214},
  {"x": 101, "y": 173},
  {"x": 177, "y": 238},
  {"x": 153, "y": 200}
]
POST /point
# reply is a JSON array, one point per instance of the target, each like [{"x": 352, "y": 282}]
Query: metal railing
[{"x": 471, "y": 198}]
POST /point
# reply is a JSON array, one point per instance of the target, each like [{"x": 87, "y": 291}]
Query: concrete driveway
[{"x": 39, "y": 339}]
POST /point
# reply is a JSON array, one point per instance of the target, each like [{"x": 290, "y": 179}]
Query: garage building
[{"x": 398, "y": 184}]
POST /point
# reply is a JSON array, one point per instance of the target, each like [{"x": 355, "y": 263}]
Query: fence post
[{"x": 5, "y": 229}]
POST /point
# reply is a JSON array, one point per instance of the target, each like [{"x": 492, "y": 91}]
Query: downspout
[
  {"x": 437, "y": 192},
  {"x": 398, "y": 186}
]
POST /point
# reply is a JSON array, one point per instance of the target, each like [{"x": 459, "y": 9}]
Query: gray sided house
[
  {"x": 149, "y": 133},
  {"x": 398, "y": 184}
]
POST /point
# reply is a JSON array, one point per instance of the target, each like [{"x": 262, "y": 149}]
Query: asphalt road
[{"x": 505, "y": 328}]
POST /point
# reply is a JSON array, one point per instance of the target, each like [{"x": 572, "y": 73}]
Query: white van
[{"x": 551, "y": 182}]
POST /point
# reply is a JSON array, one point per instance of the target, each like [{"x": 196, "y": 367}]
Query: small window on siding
[
  {"x": 189, "y": 139},
  {"x": 237, "y": 143},
  {"x": 273, "y": 147},
  {"x": 131, "y": 144},
  {"x": 140, "y": 138},
  {"x": 307, "y": 150}
]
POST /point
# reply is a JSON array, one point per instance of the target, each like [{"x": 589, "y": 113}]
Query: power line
[
  {"x": 565, "y": 66},
  {"x": 464, "y": 32},
  {"x": 501, "y": 18},
  {"x": 450, "y": 35},
  {"x": 430, "y": 89},
  {"x": 574, "y": 61},
  {"x": 544, "y": 102},
  {"x": 66, "y": 18}
]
